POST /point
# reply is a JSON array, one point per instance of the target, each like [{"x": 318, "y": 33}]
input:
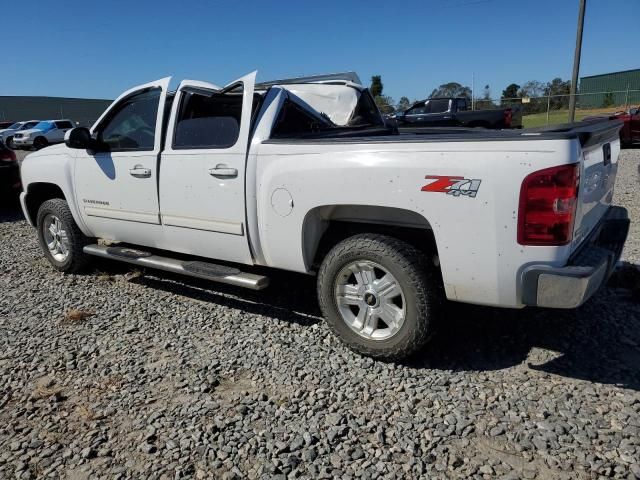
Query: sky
[{"x": 97, "y": 49}]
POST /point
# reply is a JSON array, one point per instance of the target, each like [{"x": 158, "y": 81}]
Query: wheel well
[
  {"x": 37, "y": 194},
  {"x": 324, "y": 227}
]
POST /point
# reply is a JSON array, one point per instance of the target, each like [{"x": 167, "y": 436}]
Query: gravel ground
[{"x": 115, "y": 374}]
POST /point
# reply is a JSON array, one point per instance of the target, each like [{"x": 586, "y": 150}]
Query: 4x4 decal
[{"x": 452, "y": 185}]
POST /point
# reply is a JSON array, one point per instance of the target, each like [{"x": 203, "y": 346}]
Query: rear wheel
[
  {"x": 60, "y": 238},
  {"x": 379, "y": 295},
  {"x": 40, "y": 142}
]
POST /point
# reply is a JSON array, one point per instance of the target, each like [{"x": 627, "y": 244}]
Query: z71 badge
[{"x": 455, "y": 186}]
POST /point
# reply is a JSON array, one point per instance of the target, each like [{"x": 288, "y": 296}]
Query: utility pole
[
  {"x": 576, "y": 62},
  {"x": 473, "y": 101}
]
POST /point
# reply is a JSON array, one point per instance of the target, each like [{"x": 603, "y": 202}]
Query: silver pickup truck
[{"x": 304, "y": 175}]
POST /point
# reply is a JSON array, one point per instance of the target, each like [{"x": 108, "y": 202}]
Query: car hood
[{"x": 29, "y": 131}]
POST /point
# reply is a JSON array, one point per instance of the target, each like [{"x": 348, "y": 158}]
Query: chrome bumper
[{"x": 587, "y": 270}]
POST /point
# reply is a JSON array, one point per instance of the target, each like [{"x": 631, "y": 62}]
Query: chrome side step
[{"x": 198, "y": 269}]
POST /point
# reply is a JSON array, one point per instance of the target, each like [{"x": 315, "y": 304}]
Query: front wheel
[
  {"x": 379, "y": 295},
  {"x": 40, "y": 142},
  {"x": 9, "y": 143},
  {"x": 60, "y": 238}
]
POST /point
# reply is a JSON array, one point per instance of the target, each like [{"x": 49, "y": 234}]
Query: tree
[
  {"x": 608, "y": 100},
  {"x": 511, "y": 91},
  {"x": 485, "y": 102},
  {"x": 384, "y": 103},
  {"x": 451, "y": 89},
  {"x": 532, "y": 89},
  {"x": 559, "y": 91},
  {"x": 376, "y": 86},
  {"x": 404, "y": 104}
]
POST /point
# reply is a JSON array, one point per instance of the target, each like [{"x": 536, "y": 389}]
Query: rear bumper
[{"x": 587, "y": 270}]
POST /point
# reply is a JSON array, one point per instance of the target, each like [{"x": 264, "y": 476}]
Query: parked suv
[
  {"x": 43, "y": 134},
  {"x": 6, "y": 134}
]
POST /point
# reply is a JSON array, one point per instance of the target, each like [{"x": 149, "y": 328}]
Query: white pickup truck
[{"x": 304, "y": 175}]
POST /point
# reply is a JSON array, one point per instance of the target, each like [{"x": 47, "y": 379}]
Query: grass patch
[{"x": 557, "y": 117}]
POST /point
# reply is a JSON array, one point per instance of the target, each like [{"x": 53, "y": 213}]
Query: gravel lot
[{"x": 156, "y": 376}]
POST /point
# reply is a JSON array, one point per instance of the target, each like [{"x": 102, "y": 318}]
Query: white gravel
[{"x": 173, "y": 378}]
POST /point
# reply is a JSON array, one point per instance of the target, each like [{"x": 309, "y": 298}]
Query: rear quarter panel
[{"x": 476, "y": 237}]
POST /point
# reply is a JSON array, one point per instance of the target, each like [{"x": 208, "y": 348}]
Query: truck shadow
[
  {"x": 599, "y": 342},
  {"x": 10, "y": 208}
]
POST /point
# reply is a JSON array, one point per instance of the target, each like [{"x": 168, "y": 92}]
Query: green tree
[
  {"x": 608, "y": 100},
  {"x": 485, "y": 102},
  {"x": 559, "y": 90},
  {"x": 532, "y": 89},
  {"x": 404, "y": 104},
  {"x": 451, "y": 89},
  {"x": 511, "y": 91},
  {"x": 384, "y": 103},
  {"x": 376, "y": 86}
]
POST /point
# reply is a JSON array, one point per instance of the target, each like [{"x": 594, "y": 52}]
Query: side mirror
[{"x": 78, "y": 137}]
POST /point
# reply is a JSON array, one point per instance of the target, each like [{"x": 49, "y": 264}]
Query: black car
[
  {"x": 9, "y": 171},
  {"x": 455, "y": 112}
]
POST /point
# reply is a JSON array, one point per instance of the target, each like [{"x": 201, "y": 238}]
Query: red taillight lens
[
  {"x": 548, "y": 200},
  {"x": 508, "y": 116},
  {"x": 7, "y": 156}
]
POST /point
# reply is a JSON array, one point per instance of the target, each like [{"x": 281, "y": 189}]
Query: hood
[
  {"x": 57, "y": 149},
  {"x": 29, "y": 131}
]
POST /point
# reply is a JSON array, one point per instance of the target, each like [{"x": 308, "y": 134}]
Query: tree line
[{"x": 557, "y": 89}]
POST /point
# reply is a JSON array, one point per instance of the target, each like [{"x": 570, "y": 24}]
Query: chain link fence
[{"x": 554, "y": 109}]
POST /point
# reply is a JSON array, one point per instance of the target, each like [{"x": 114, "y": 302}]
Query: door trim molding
[
  {"x": 219, "y": 226},
  {"x": 128, "y": 215}
]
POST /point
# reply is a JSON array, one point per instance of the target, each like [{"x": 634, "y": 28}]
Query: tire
[
  {"x": 69, "y": 235},
  {"x": 420, "y": 297},
  {"x": 40, "y": 142},
  {"x": 9, "y": 143}
]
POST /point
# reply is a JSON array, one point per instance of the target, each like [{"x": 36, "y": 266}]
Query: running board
[{"x": 198, "y": 269}]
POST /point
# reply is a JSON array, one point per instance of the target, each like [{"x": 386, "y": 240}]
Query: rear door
[
  {"x": 202, "y": 173},
  {"x": 62, "y": 127},
  {"x": 117, "y": 189}
]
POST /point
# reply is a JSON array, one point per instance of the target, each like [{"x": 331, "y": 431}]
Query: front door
[
  {"x": 202, "y": 172},
  {"x": 117, "y": 189}
]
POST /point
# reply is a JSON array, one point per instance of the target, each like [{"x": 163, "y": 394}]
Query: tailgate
[{"x": 600, "y": 143}]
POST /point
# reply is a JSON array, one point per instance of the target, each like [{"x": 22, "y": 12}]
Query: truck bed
[{"x": 587, "y": 133}]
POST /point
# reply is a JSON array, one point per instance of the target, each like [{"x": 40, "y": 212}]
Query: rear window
[{"x": 208, "y": 121}]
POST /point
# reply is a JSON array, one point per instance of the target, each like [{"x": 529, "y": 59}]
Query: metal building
[
  {"x": 610, "y": 89},
  {"x": 84, "y": 111}
]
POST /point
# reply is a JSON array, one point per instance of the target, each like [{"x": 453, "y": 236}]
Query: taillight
[
  {"x": 7, "y": 156},
  {"x": 508, "y": 116},
  {"x": 548, "y": 200}
]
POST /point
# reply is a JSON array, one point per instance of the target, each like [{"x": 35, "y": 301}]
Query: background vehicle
[
  {"x": 630, "y": 132},
  {"x": 43, "y": 134},
  {"x": 9, "y": 171},
  {"x": 454, "y": 112},
  {"x": 303, "y": 175},
  {"x": 6, "y": 134},
  {"x": 4, "y": 124}
]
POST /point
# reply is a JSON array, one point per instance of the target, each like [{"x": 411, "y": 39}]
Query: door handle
[
  {"x": 222, "y": 171},
  {"x": 140, "y": 172}
]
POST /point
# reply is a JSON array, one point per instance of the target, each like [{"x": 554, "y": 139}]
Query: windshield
[
  {"x": 15, "y": 126},
  {"x": 45, "y": 126}
]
